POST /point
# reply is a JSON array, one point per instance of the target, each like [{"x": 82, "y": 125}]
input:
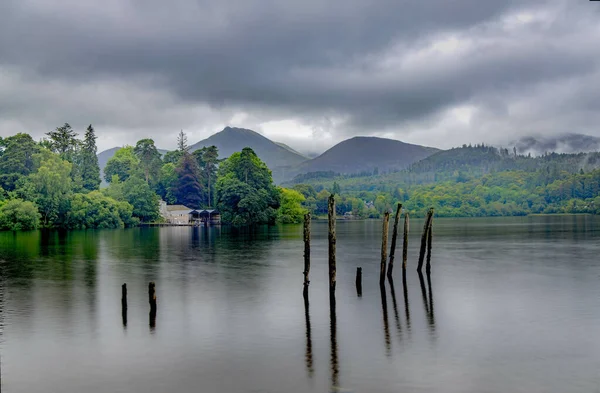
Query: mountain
[
  {"x": 292, "y": 150},
  {"x": 233, "y": 139},
  {"x": 566, "y": 143},
  {"x": 364, "y": 154}
]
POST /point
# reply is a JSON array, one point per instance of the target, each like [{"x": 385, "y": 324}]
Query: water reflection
[
  {"x": 335, "y": 371},
  {"x": 427, "y": 301},
  {"x": 308, "y": 356},
  {"x": 395, "y": 306},
  {"x": 386, "y": 327},
  {"x": 406, "y": 307}
]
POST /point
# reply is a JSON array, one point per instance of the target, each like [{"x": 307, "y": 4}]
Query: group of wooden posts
[
  {"x": 426, "y": 240},
  {"x": 151, "y": 300}
]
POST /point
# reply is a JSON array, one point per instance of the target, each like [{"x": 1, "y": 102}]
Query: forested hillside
[{"x": 470, "y": 181}]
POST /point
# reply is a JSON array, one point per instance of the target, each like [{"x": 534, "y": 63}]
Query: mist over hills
[
  {"x": 566, "y": 143},
  {"x": 366, "y": 154}
]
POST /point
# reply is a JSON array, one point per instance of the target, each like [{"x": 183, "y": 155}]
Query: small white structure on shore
[{"x": 183, "y": 215}]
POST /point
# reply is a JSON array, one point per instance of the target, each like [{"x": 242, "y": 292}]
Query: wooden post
[
  {"x": 306, "y": 253},
  {"x": 124, "y": 304},
  {"x": 429, "y": 238},
  {"x": 394, "y": 236},
  {"x": 424, "y": 239},
  {"x": 405, "y": 244},
  {"x": 152, "y": 301},
  {"x": 384, "y": 239},
  {"x": 332, "y": 241},
  {"x": 359, "y": 281}
]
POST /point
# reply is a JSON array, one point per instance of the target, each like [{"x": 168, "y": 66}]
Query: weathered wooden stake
[
  {"x": 359, "y": 281},
  {"x": 332, "y": 241},
  {"x": 429, "y": 238},
  {"x": 152, "y": 301},
  {"x": 394, "y": 236},
  {"x": 384, "y": 239},
  {"x": 152, "y": 295},
  {"x": 124, "y": 304},
  {"x": 405, "y": 244},
  {"x": 124, "y": 296},
  {"x": 306, "y": 252},
  {"x": 424, "y": 239}
]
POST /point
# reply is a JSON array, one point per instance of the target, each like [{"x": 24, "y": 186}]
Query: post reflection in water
[
  {"x": 152, "y": 316},
  {"x": 335, "y": 372},
  {"x": 431, "y": 316},
  {"x": 395, "y": 305},
  {"x": 427, "y": 302},
  {"x": 406, "y": 308},
  {"x": 309, "y": 357},
  {"x": 386, "y": 327}
]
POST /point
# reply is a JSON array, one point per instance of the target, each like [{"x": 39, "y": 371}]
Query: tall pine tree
[{"x": 90, "y": 171}]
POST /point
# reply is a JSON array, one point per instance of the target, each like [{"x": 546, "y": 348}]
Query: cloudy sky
[{"x": 308, "y": 73}]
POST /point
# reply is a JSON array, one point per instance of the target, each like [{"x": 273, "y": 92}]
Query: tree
[
  {"x": 63, "y": 140},
  {"x": 182, "y": 142},
  {"x": 16, "y": 159},
  {"x": 291, "y": 210},
  {"x": 138, "y": 194},
  {"x": 95, "y": 210},
  {"x": 50, "y": 187},
  {"x": 336, "y": 189},
  {"x": 188, "y": 187},
  {"x": 208, "y": 159},
  {"x": 172, "y": 157},
  {"x": 246, "y": 195},
  {"x": 149, "y": 159},
  {"x": 90, "y": 171},
  {"x": 167, "y": 182},
  {"x": 123, "y": 164},
  {"x": 17, "y": 215}
]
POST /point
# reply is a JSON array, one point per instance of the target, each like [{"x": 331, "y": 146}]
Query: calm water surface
[{"x": 513, "y": 305}]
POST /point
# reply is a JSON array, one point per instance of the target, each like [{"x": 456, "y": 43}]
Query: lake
[{"x": 512, "y": 305}]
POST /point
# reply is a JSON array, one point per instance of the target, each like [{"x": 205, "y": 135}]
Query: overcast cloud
[{"x": 308, "y": 73}]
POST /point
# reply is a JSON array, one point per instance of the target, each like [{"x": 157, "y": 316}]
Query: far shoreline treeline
[{"x": 55, "y": 183}]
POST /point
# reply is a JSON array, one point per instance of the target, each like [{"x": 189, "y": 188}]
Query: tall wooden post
[
  {"x": 424, "y": 239},
  {"x": 405, "y": 244},
  {"x": 384, "y": 239},
  {"x": 394, "y": 236},
  {"x": 306, "y": 253},
  {"x": 429, "y": 238},
  {"x": 332, "y": 241},
  {"x": 152, "y": 301},
  {"x": 124, "y": 304}
]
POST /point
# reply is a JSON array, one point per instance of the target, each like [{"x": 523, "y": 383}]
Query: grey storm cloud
[{"x": 387, "y": 67}]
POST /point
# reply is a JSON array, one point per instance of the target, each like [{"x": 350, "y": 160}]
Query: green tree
[
  {"x": 167, "y": 182},
  {"x": 188, "y": 187},
  {"x": 138, "y": 194},
  {"x": 336, "y": 189},
  {"x": 172, "y": 157},
  {"x": 90, "y": 171},
  {"x": 17, "y": 215},
  {"x": 63, "y": 141},
  {"x": 95, "y": 210},
  {"x": 182, "y": 142},
  {"x": 291, "y": 210},
  {"x": 16, "y": 159},
  {"x": 50, "y": 187},
  {"x": 208, "y": 159},
  {"x": 123, "y": 164},
  {"x": 245, "y": 191},
  {"x": 149, "y": 158}
]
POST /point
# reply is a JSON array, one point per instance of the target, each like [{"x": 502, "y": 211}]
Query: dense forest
[
  {"x": 469, "y": 181},
  {"x": 55, "y": 183}
]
